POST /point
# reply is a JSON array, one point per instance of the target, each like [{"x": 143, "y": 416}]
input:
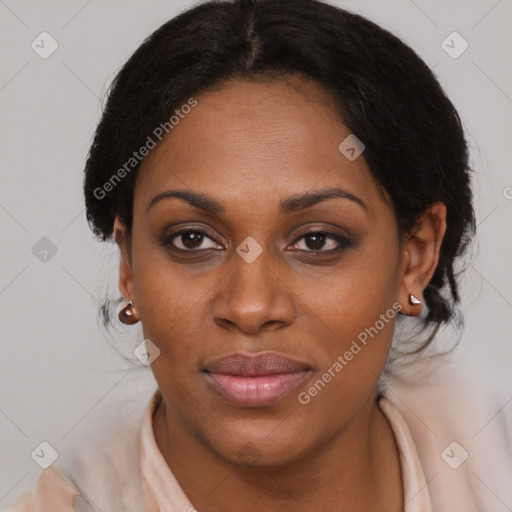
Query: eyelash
[{"x": 343, "y": 242}]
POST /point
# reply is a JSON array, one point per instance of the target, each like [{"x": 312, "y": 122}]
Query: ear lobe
[
  {"x": 420, "y": 255},
  {"x": 125, "y": 267}
]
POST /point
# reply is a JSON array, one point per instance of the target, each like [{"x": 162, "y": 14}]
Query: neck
[{"x": 355, "y": 469}]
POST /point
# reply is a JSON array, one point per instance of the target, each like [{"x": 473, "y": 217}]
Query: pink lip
[{"x": 249, "y": 380}]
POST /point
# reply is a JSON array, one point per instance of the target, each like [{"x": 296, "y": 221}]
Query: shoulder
[
  {"x": 107, "y": 472},
  {"x": 98, "y": 468},
  {"x": 52, "y": 492},
  {"x": 462, "y": 435}
]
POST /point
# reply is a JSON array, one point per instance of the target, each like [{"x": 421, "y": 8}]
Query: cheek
[
  {"x": 169, "y": 300},
  {"x": 354, "y": 327},
  {"x": 171, "y": 316},
  {"x": 355, "y": 310},
  {"x": 353, "y": 352},
  {"x": 352, "y": 296}
]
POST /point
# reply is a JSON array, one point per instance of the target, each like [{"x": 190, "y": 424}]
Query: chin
[{"x": 260, "y": 449}]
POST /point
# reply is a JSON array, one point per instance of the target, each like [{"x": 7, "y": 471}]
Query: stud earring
[
  {"x": 413, "y": 301},
  {"x": 128, "y": 315}
]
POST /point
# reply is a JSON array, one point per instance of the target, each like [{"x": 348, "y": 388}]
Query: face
[{"x": 274, "y": 243}]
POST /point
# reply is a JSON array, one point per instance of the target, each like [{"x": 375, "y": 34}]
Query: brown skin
[{"x": 249, "y": 146}]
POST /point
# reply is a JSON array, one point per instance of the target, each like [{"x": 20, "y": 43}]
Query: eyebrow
[{"x": 289, "y": 205}]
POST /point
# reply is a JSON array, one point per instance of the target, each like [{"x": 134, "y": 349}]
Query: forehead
[{"x": 256, "y": 139}]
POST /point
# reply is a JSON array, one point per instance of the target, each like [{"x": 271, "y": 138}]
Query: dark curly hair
[{"x": 386, "y": 94}]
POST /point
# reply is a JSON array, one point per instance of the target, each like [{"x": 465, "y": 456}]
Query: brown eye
[
  {"x": 191, "y": 240},
  {"x": 315, "y": 241},
  {"x": 320, "y": 241}
]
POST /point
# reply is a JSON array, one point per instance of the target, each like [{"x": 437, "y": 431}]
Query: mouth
[{"x": 255, "y": 380}]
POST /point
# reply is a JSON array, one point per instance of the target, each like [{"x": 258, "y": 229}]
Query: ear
[
  {"x": 420, "y": 255},
  {"x": 123, "y": 241}
]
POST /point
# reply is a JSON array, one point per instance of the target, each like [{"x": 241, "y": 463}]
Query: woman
[{"x": 287, "y": 184}]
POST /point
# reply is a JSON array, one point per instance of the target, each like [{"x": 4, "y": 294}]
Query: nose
[{"x": 253, "y": 298}]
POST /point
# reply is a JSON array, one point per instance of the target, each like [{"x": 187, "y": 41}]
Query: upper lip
[{"x": 247, "y": 365}]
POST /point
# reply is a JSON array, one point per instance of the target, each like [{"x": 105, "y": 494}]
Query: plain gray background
[{"x": 57, "y": 366}]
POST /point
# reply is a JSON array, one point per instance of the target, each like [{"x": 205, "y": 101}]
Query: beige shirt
[{"x": 162, "y": 492}]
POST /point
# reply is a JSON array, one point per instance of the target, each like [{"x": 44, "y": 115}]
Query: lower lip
[{"x": 257, "y": 391}]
